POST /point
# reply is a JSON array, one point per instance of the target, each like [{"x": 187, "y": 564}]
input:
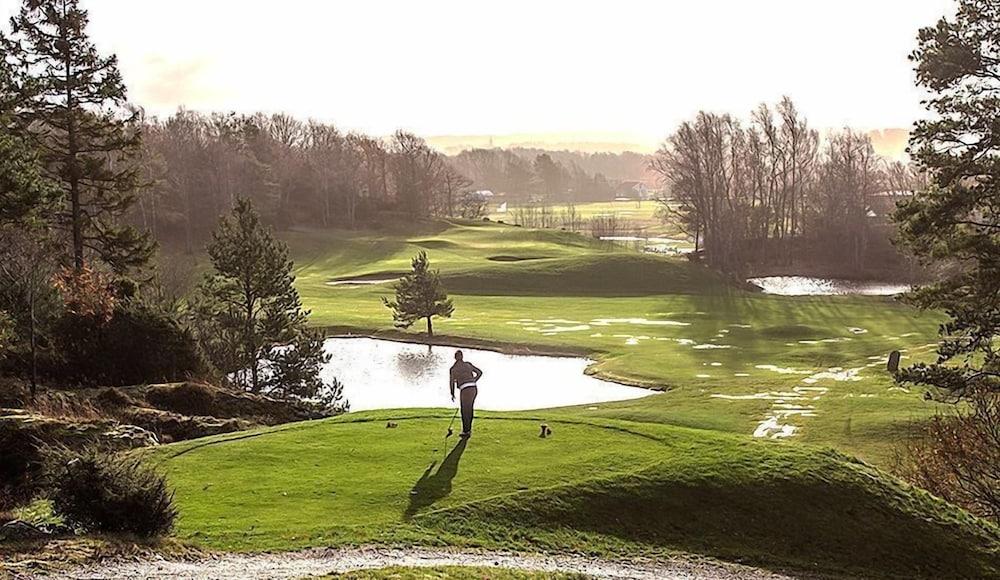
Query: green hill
[{"x": 608, "y": 487}]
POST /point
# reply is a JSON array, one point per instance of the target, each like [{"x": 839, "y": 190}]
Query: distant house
[{"x": 632, "y": 190}]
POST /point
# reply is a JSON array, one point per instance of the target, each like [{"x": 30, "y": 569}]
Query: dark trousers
[{"x": 468, "y": 400}]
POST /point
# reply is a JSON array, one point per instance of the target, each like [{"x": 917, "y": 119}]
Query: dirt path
[{"x": 317, "y": 562}]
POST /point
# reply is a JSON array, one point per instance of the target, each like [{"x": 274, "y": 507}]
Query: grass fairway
[
  {"x": 602, "y": 487},
  {"x": 674, "y": 473},
  {"x": 731, "y": 359},
  {"x": 643, "y": 215}
]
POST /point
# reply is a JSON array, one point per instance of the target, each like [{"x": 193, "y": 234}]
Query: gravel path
[{"x": 317, "y": 562}]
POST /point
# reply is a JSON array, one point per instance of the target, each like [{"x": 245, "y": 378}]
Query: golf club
[{"x": 450, "y": 431}]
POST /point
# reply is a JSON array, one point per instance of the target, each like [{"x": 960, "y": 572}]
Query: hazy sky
[{"x": 633, "y": 68}]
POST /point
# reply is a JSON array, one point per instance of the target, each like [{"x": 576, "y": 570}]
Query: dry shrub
[
  {"x": 100, "y": 492},
  {"x": 113, "y": 400},
  {"x": 185, "y": 398},
  {"x": 611, "y": 225},
  {"x": 957, "y": 457},
  {"x": 64, "y": 405}
]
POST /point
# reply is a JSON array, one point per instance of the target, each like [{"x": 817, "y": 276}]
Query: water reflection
[
  {"x": 382, "y": 374},
  {"x": 415, "y": 366}
]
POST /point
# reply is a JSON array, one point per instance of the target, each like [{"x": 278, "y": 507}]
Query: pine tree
[
  {"x": 249, "y": 316},
  {"x": 956, "y": 221},
  {"x": 24, "y": 192},
  {"x": 73, "y": 106},
  {"x": 419, "y": 295},
  {"x": 25, "y": 199}
]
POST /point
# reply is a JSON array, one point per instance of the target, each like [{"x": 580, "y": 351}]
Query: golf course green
[
  {"x": 679, "y": 472},
  {"x": 602, "y": 487},
  {"x": 728, "y": 357}
]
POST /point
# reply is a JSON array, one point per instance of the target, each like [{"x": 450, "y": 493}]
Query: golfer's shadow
[{"x": 432, "y": 487}]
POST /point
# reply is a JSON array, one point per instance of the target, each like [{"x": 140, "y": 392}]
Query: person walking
[{"x": 464, "y": 376}]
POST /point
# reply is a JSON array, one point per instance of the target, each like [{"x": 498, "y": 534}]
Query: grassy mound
[
  {"x": 607, "y": 487},
  {"x": 611, "y": 274},
  {"x": 818, "y": 512}
]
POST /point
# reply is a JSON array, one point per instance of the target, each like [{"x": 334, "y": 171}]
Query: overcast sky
[{"x": 496, "y": 67}]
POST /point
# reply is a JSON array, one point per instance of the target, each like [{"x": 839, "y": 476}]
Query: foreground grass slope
[
  {"x": 728, "y": 356},
  {"x": 605, "y": 487}
]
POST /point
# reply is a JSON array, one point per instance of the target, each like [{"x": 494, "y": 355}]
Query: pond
[
  {"x": 384, "y": 374},
  {"x": 807, "y": 286}
]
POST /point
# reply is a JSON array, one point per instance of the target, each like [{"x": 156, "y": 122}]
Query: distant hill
[
  {"x": 888, "y": 142},
  {"x": 581, "y": 142}
]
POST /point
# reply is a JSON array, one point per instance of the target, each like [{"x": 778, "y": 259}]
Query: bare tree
[
  {"x": 454, "y": 185},
  {"x": 417, "y": 172}
]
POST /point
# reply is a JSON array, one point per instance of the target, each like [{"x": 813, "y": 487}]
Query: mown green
[
  {"x": 604, "y": 487},
  {"x": 566, "y": 281},
  {"x": 676, "y": 472}
]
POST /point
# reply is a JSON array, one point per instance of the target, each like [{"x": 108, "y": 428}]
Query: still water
[
  {"x": 383, "y": 374},
  {"x": 806, "y": 286}
]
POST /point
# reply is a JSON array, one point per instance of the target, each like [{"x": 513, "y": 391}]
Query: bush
[
  {"x": 98, "y": 492},
  {"x": 112, "y": 399},
  {"x": 957, "y": 457},
  {"x": 20, "y": 466},
  {"x": 185, "y": 398},
  {"x": 138, "y": 344}
]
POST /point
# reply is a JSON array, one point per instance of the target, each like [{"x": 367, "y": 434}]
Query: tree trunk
[
  {"x": 34, "y": 340},
  {"x": 72, "y": 165},
  {"x": 250, "y": 342},
  {"x": 430, "y": 327}
]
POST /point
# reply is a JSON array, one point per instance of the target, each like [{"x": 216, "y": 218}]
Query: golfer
[{"x": 464, "y": 377}]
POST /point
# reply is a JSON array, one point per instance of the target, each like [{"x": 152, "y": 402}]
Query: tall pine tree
[
  {"x": 956, "y": 221},
  {"x": 73, "y": 107},
  {"x": 249, "y": 315},
  {"x": 25, "y": 199}
]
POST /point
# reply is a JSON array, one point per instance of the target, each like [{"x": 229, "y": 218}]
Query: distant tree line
[
  {"x": 310, "y": 173},
  {"x": 296, "y": 173},
  {"x": 550, "y": 176},
  {"x": 757, "y": 189}
]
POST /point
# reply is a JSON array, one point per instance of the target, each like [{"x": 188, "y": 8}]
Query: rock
[
  {"x": 132, "y": 436},
  {"x": 176, "y": 427},
  {"x": 77, "y": 433},
  {"x": 18, "y": 530}
]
